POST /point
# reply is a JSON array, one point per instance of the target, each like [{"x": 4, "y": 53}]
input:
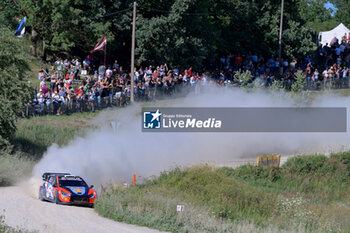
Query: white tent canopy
[{"x": 338, "y": 31}]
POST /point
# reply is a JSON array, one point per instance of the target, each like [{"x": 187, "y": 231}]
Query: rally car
[{"x": 64, "y": 188}]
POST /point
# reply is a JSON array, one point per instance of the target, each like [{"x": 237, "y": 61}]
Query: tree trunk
[
  {"x": 44, "y": 50},
  {"x": 33, "y": 39}
]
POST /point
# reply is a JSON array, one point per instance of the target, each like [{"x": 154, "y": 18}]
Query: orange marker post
[{"x": 134, "y": 179}]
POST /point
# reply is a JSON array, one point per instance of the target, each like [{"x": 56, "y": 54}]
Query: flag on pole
[
  {"x": 99, "y": 46},
  {"x": 21, "y": 28}
]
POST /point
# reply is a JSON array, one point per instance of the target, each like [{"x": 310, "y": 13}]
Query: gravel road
[{"x": 21, "y": 208}]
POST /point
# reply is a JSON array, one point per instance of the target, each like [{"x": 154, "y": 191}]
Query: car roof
[{"x": 46, "y": 175}]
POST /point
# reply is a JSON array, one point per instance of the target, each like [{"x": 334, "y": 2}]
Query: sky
[{"x": 331, "y": 5}]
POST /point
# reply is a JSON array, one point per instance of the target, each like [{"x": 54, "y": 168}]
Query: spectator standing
[
  {"x": 42, "y": 83},
  {"x": 41, "y": 75}
]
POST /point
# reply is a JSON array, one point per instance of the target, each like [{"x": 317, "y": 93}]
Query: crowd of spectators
[
  {"x": 327, "y": 68},
  {"x": 84, "y": 86},
  {"x": 79, "y": 86}
]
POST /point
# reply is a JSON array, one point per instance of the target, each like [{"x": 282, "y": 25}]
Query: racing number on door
[{"x": 49, "y": 188}]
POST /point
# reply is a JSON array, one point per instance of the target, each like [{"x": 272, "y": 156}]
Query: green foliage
[
  {"x": 300, "y": 81},
  {"x": 211, "y": 193},
  {"x": 178, "y": 32},
  {"x": 66, "y": 25},
  {"x": 303, "y": 194},
  {"x": 15, "y": 91},
  {"x": 176, "y": 38},
  {"x": 312, "y": 175},
  {"x": 342, "y": 14},
  {"x": 276, "y": 86},
  {"x": 243, "y": 78},
  {"x": 316, "y": 15},
  {"x": 35, "y": 135},
  {"x": 13, "y": 167},
  {"x": 181, "y": 37}
]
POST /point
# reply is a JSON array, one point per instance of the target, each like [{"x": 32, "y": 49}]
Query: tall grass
[
  {"x": 13, "y": 167},
  {"x": 33, "y": 137},
  {"x": 307, "y": 194}
]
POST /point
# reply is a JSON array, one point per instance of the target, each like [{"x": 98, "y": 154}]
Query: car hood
[{"x": 78, "y": 190}]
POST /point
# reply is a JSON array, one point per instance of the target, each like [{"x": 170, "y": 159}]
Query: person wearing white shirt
[
  {"x": 42, "y": 83},
  {"x": 325, "y": 74},
  {"x": 109, "y": 71},
  {"x": 41, "y": 99},
  {"x": 192, "y": 81},
  {"x": 326, "y": 81},
  {"x": 204, "y": 81}
]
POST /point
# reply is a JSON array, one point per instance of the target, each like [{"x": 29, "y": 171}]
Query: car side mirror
[{"x": 91, "y": 186}]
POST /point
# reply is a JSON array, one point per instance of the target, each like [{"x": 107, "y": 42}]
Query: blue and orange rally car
[{"x": 63, "y": 188}]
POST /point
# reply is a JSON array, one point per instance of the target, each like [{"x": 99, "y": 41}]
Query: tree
[
  {"x": 63, "y": 26},
  {"x": 176, "y": 36},
  {"x": 181, "y": 33},
  {"x": 316, "y": 15},
  {"x": 300, "y": 82},
  {"x": 15, "y": 91},
  {"x": 243, "y": 78},
  {"x": 342, "y": 14}
]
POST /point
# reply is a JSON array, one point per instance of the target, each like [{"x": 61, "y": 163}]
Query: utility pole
[
  {"x": 280, "y": 41},
  {"x": 132, "y": 73}
]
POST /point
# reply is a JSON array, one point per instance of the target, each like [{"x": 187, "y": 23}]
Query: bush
[{"x": 300, "y": 197}]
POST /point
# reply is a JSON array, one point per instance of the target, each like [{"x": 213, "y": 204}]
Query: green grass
[
  {"x": 307, "y": 194},
  {"x": 35, "y": 135},
  {"x": 35, "y": 65},
  {"x": 13, "y": 167}
]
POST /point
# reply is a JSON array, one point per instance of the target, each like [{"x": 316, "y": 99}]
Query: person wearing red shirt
[
  {"x": 189, "y": 72},
  {"x": 238, "y": 59}
]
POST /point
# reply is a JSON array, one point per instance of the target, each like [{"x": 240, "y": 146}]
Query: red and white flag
[{"x": 99, "y": 46}]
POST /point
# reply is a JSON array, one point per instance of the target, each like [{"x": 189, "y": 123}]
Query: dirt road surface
[{"x": 21, "y": 208}]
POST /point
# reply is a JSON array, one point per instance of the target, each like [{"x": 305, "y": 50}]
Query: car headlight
[{"x": 65, "y": 194}]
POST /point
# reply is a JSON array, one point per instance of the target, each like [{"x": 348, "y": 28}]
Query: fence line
[{"x": 87, "y": 105}]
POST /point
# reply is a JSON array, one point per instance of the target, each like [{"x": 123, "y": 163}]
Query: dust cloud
[{"x": 118, "y": 148}]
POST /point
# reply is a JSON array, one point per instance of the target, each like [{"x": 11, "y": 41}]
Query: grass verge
[
  {"x": 33, "y": 137},
  {"x": 307, "y": 194}
]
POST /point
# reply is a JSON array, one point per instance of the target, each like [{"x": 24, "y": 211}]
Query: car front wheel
[
  {"x": 57, "y": 199},
  {"x": 41, "y": 198}
]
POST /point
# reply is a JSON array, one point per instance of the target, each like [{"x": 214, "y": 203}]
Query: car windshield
[{"x": 72, "y": 182}]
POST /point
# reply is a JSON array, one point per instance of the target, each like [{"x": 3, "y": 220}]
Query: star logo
[
  {"x": 152, "y": 120},
  {"x": 156, "y": 115}
]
